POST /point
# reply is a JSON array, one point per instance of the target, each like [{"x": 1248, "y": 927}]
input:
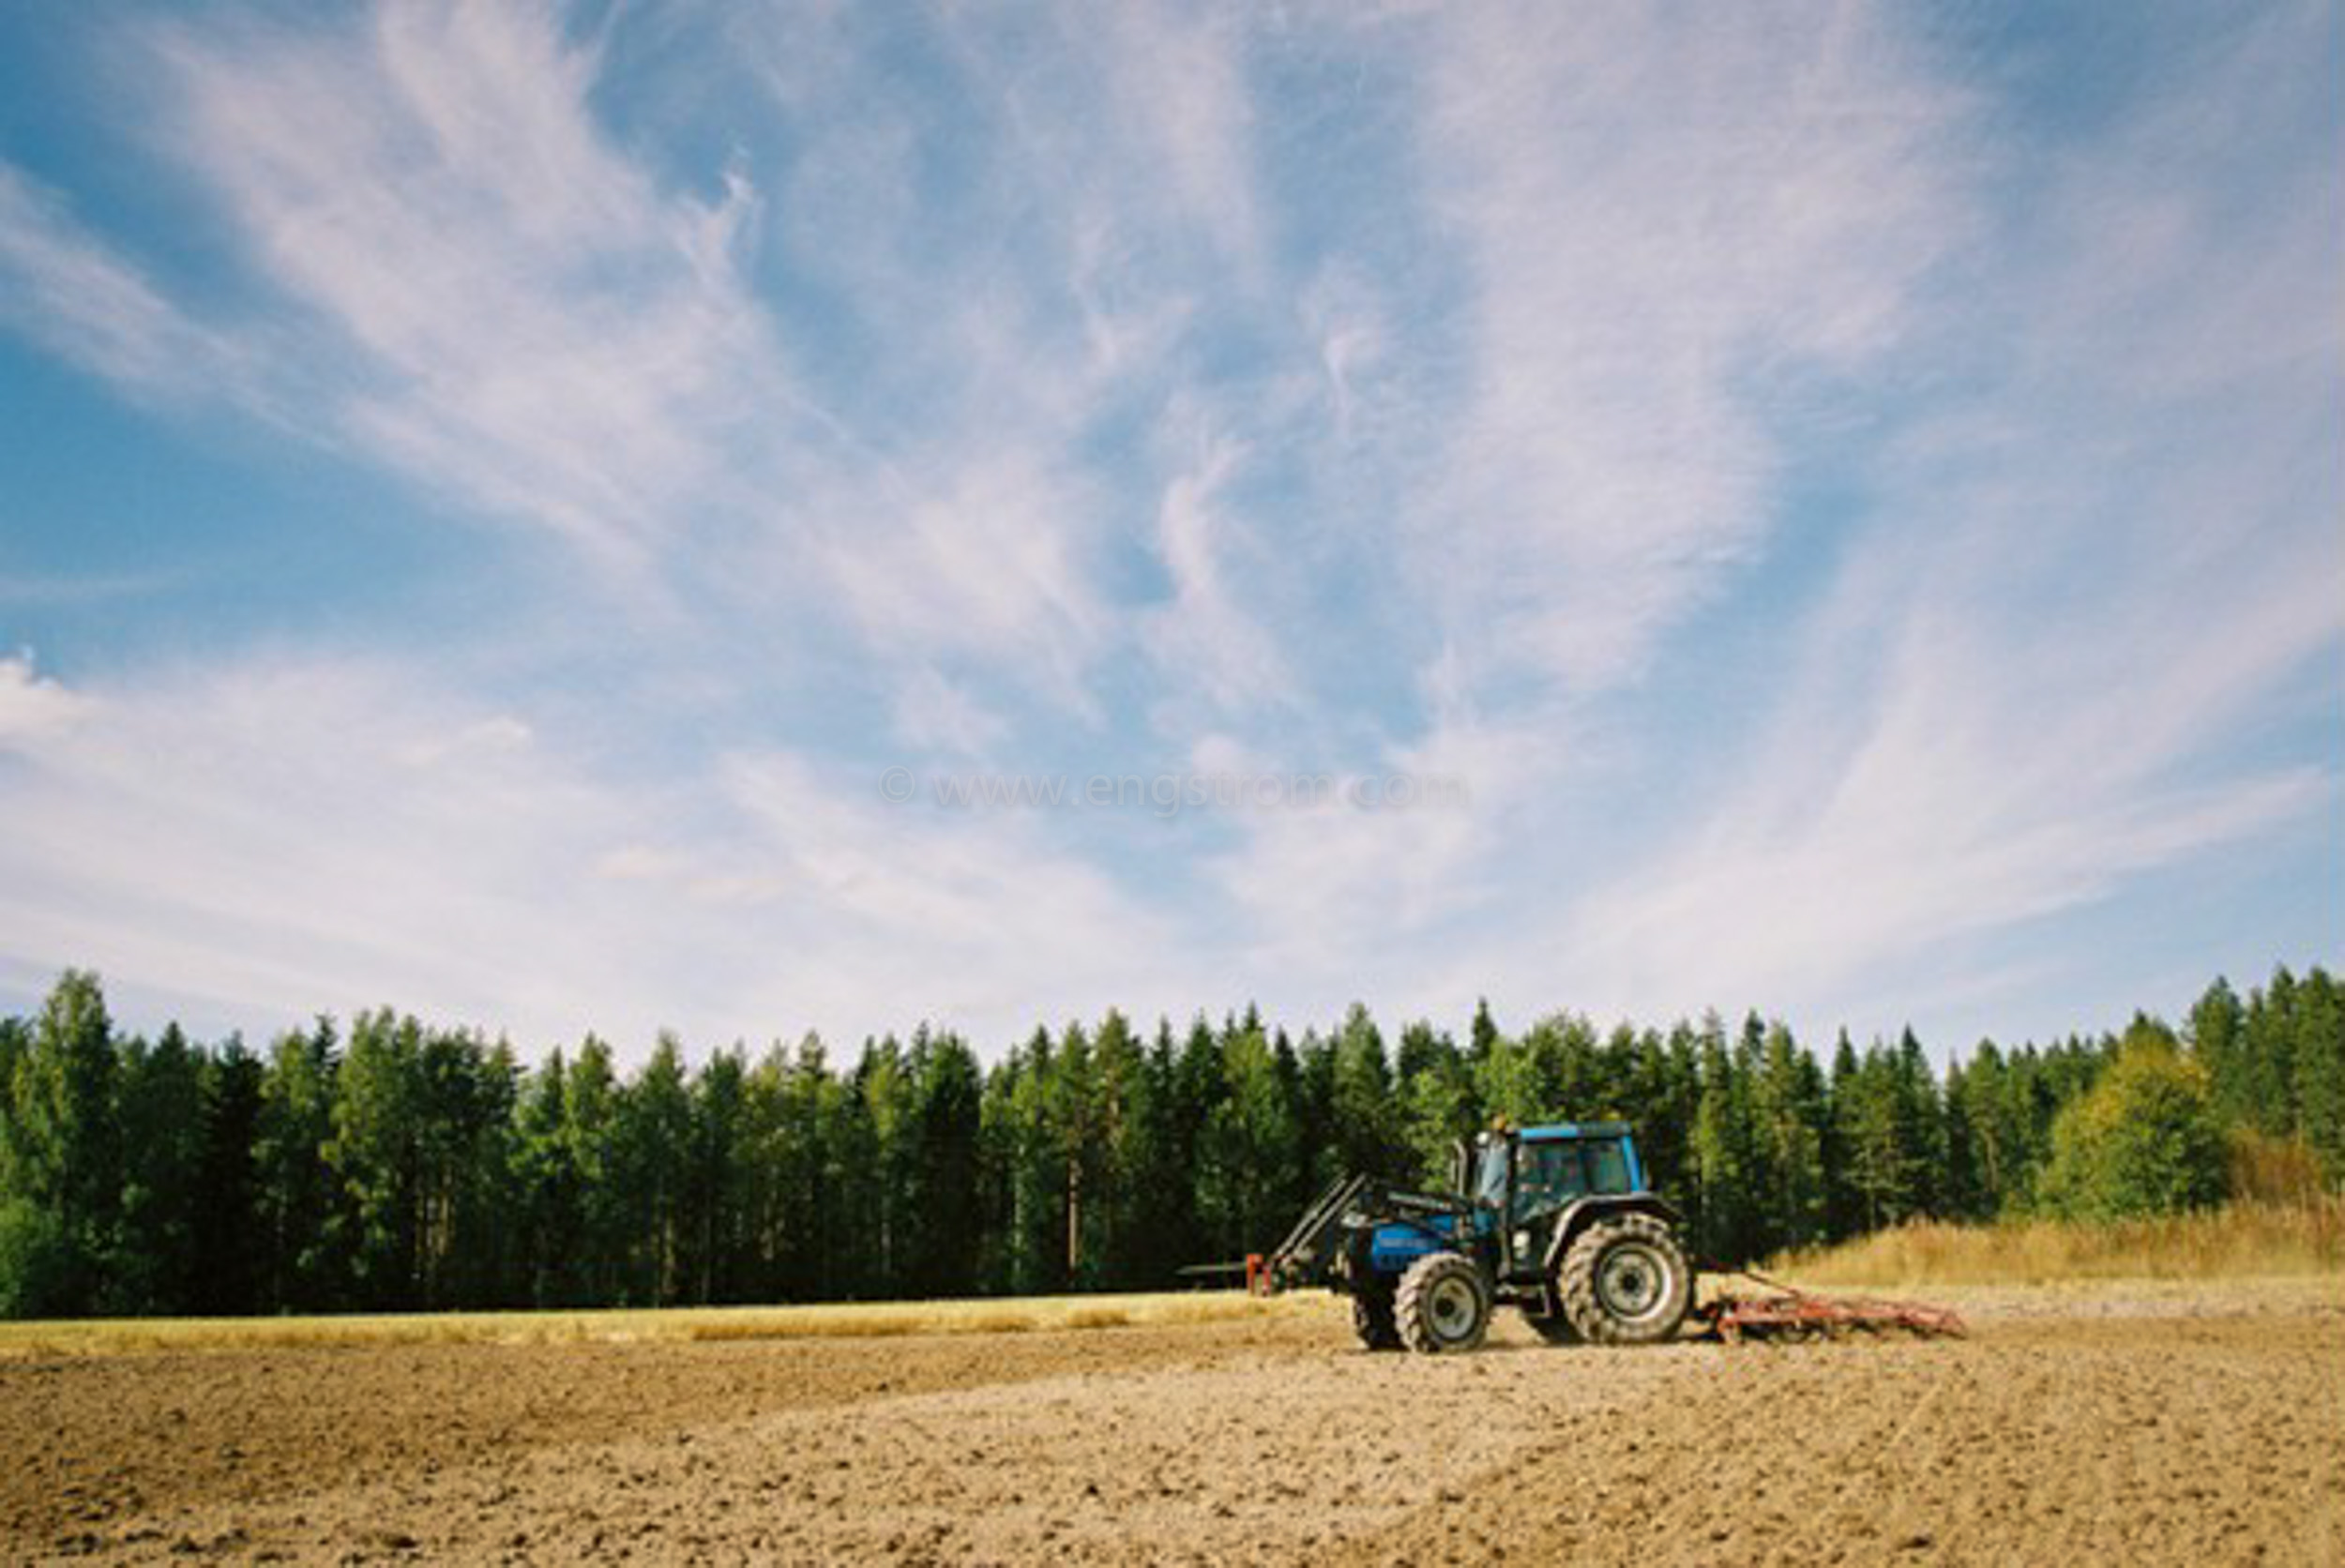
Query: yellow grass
[
  {"x": 2242, "y": 1241},
  {"x": 1031, "y": 1314}
]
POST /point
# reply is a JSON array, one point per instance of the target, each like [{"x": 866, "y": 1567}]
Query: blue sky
[{"x": 1837, "y": 510}]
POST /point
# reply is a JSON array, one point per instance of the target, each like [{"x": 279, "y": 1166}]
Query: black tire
[
  {"x": 1372, "y": 1320},
  {"x": 1626, "y": 1281},
  {"x": 1556, "y": 1330},
  {"x": 1443, "y": 1305}
]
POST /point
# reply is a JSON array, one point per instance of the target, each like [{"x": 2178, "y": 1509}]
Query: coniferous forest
[{"x": 391, "y": 1164}]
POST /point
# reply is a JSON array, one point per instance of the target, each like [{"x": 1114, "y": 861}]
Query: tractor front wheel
[
  {"x": 1373, "y": 1317},
  {"x": 1626, "y": 1281},
  {"x": 1443, "y": 1305}
]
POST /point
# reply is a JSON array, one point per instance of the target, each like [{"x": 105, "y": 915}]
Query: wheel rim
[
  {"x": 1451, "y": 1306},
  {"x": 1632, "y": 1282}
]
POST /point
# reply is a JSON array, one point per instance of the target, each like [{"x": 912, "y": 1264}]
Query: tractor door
[{"x": 1549, "y": 1175}]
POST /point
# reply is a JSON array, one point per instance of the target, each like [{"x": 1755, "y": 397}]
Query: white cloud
[
  {"x": 32, "y": 706},
  {"x": 520, "y": 317},
  {"x": 68, "y": 289},
  {"x": 477, "y": 287},
  {"x": 1175, "y": 76},
  {"x": 2044, "y": 670},
  {"x": 1204, "y": 640},
  {"x": 244, "y": 844},
  {"x": 1663, "y": 227},
  {"x": 935, "y": 714},
  {"x": 989, "y": 562},
  {"x": 1660, "y": 239}
]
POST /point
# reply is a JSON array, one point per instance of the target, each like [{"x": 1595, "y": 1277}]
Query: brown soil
[{"x": 2215, "y": 1434}]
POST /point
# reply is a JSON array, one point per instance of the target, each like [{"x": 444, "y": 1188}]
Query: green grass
[
  {"x": 2243, "y": 1241},
  {"x": 1033, "y": 1314}
]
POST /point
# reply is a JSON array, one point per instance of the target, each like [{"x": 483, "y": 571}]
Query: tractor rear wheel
[
  {"x": 1373, "y": 1317},
  {"x": 1443, "y": 1305},
  {"x": 1626, "y": 1281}
]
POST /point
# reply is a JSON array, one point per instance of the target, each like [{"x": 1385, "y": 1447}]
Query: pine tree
[
  {"x": 161, "y": 1116},
  {"x": 1162, "y": 1238},
  {"x": 947, "y": 1124},
  {"x": 1072, "y": 1096},
  {"x": 2269, "y": 1049},
  {"x": 719, "y": 1184},
  {"x": 593, "y": 1131},
  {"x": 767, "y": 1165},
  {"x": 1664, "y": 1104},
  {"x": 375, "y": 1152},
  {"x": 1124, "y": 1130},
  {"x": 811, "y": 1134},
  {"x": 1996, "y": 1161},
  {"x": 1789, "y": 1102},
  {"x": 61, "y": 1159},
  {"x": 1921, "y": 1127},
  {"x": 465, "y": 1190},
  {"x": 1566, "y": 1085},
  {"x": 2216, "y": 1029},
  {"x": 653, "y": 1173},
  {"x": 1250, "y": 1148},
  {"x": 1726, "y": 1217},
  {"x": 1881, "y": 1125},
  {"x": 1199, "y": 1089},
  {"x": 231, "y": 1247},
  {"x": 1035, "y": 1251},
  {"x": 1439, "y": 1107},
  {"x": 1846, "y": 1208},
  {"x": 305, "y": 1235},
  {"x": 1504, "y": 1079},
  {"x": 2319, "y": 1052},
  {"x": 550, "y": 1191},
  {"x": 1319, "y": 1138},
  {"x": 1365, "y": 1109}
]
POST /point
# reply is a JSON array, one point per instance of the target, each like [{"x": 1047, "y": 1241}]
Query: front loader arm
[
  {"x": 1317, "y": 1250},
  {"x": 1308, "y": 1256}
]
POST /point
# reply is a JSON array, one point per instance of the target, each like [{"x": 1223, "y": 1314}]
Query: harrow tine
[{"x": 1792, "y": 1313}]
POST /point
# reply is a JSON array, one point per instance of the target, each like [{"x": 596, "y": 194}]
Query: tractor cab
[{"x": 1529, "y": 1180}]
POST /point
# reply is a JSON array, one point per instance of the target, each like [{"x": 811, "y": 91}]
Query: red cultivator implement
[{"x": 1792, "y": 1313}]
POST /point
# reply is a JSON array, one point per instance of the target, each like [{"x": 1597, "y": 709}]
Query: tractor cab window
[
  {"x": 1548, "y": 1176},
  {"x": 1607, "y": 1167}
]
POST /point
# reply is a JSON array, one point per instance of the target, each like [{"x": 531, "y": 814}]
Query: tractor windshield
[{"x": 1490, "y": 1180}]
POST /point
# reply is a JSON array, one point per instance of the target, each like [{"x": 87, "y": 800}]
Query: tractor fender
[{"x": 1583, "y": 1211}]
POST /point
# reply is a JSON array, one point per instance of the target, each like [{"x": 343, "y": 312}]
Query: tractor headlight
[{"x": 1523, "y": 1241}]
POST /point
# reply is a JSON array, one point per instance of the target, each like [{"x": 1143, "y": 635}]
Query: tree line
[{"x": 395, "y": 1166}]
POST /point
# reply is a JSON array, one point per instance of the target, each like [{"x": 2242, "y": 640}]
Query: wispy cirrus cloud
[
  {"x": 1661, "y": 248},
  {"x": 1826, "y": 495},
  {"x": 71, "y": 290},
  {"x": 1205, "y": 641},
  {"x": 480, "y": 289},
  {"x": 1667, "y": 234},
  {"x": 2105, "y": 576},
  {"x": 517, "y": 316}
]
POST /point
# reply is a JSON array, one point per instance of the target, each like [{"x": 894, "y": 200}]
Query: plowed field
[{"x": 2156, "y": 1426}]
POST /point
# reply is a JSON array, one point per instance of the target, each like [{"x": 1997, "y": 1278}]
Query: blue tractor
[{"x": 1556, "y": 1221}]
